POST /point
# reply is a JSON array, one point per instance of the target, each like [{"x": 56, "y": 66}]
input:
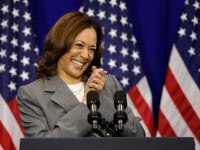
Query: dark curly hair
[{"x": 60, "y": 39}]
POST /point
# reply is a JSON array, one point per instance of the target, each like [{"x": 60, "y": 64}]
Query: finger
[
  {"x": 97, "y": 87},
  {"x": 94, "y": 68}
]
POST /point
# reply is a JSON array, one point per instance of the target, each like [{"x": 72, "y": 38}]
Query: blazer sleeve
[
  {"x": 70, "y": 124},
  {"x": 133, "y": 126}
]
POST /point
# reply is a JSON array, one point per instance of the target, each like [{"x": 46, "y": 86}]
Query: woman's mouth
[{"x": 78, "y": 63}]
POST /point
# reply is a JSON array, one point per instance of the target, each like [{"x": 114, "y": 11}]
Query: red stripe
[
  {"x": 13, "y": 105},
  {"x": 164, "y": 127},
  {"x": 182, "y": 104},
  {"x": 5, "y": 139},
  {"x": 143, "y": 109}
]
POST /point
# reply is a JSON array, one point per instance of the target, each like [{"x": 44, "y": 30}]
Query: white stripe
[
  {"x": 144, "y": 90},
  {"x": 1, "y": 148},
  {"x": 174, "y": 117},
  {"x": 185, "y": 80},
  {"x": 10, "y": 123},
  {"x": 131, "y": 105},
  {"x": 158, "y": 134}
]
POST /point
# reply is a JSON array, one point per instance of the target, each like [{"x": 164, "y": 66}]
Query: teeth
[{"x": 77, "y": 63}]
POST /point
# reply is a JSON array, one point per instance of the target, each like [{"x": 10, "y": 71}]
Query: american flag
[
  {"x": 179, "y": 113},
  {"x": 121, "y": 56},
  {"x": 17, "y": 59}
]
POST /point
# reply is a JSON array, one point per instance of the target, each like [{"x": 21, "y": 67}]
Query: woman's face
[{"x": 73, "y": 63}]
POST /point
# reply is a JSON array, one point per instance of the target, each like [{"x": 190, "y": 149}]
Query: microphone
[
  {"x": 93, "y": 103},
  {"x": 120, "y": 103}
]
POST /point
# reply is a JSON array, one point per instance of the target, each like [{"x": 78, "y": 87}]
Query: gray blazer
[{"x": 49, "y": 109}]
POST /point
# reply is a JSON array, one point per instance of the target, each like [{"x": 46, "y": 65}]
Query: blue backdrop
[{"x": 155, "y": 24}]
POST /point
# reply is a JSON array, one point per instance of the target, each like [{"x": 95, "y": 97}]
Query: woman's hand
[{"x": 96, "y": 82}]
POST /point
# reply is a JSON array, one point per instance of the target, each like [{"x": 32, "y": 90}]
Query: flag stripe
[
  {"x": 176, "y": 121},
  {"x": 164, "y": 128},
  {"x": 182, "y": 104},
  {"x": 143, "y": 108},
  {"x": 5, "y": 140},
  {"x": 185, "y": 80},
  {"x": 10, "y": 124},
  {"x": 136, "y": 113},
  {"x": 13, "y": 105}
]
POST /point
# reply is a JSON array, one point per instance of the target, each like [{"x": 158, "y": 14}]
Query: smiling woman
[{"x": 55, "y": 104}]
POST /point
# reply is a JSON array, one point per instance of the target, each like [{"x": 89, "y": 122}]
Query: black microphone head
[
  {"x": 120, "y": 98},
  {"x": 93, "y": 98}
]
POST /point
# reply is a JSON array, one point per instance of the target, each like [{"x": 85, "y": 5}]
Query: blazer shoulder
[{"x": 31, "y": 88}]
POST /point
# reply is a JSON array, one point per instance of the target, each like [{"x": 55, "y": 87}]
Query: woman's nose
[{"x": 85, "y": 53}]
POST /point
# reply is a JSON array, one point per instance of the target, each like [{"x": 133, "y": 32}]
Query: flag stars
[
  {"x": 25, "y": 61},
  {"x": 184, "y": 17},
  {"x": 133, "y": 39},
  {"x": 195, "y": 21},
  {"x": 13, "y": 71},
  {"x": 2, "y": 67},
  {"x": 24, "y": 75},
  {"x": 113, "y": 33},
  {"x": 15, "y": 27},
  {"x": 90, "y": 12},
  {"x": 4, "y": 24},
  {"x": 124, "y": 52},
  {"x": 124, "y": 81},
  {"x": 14, "y": 42},
  {"x": 3, "y": 38},
  {"x": 26, "y": 46},
  {"x": 196, "y": 5},
  {"x": 136, "y": 70},
  {"x": 101, "y": 14},
  {"x": 15, "y": 1},
  {"x": 135, "y": 55},
  {"x": 124, "y": 37},
  {"x": 12, "y": 86},
  {"x": 27, "y": 16},
  {"x": 101, "y": 2},
  {"x": 124, "y": 67},
  {"x": 81, "y": 9},
  {"x": 36, "y": 49},
  {"x": 112, "y": 49},
  {"x": 26, "y": 2},
  {"x": 3, "y": 53},
  {"x": 113, "y": 18},
  {"x": 113, "y": 3},
  {"x": 112, "y": 63},
  {"x": 181, "y": 32},
  {"x": 193, "y": 36},
  {"x": 186, "y": 2},
  {"x": 13, "y": 56},
  {"x": 15, "y": 12},
  {"x": 27, "y": 31},
  {"x": 4, "y": 9},
  {"x": 122, "y": 6},
  {"x": 123, "y": 21},
  {"x": 191, "y": 51}
]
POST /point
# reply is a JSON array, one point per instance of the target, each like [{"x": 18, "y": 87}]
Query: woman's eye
[
  {"x": 93, "y": 49},
  {"x": 79, "y": 45}
]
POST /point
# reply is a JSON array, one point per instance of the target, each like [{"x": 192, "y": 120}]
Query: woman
[{"x": 55, "y": 104}]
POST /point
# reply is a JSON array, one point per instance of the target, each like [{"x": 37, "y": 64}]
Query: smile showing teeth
[{"x": 77, "y": 63}]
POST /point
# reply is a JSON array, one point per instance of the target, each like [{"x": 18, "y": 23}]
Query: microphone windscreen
[
  {"x": 120, "y": 98},
  {"x": 93, "y": 98}
]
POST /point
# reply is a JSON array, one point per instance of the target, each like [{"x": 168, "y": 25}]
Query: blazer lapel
[{"x": 61, "y": 93}]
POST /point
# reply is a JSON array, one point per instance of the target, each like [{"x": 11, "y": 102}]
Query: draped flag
[
  {"x": 121, "y": 56},
  {"x": 17, "y": 56},
  {"x": 179, "y": 113}
]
